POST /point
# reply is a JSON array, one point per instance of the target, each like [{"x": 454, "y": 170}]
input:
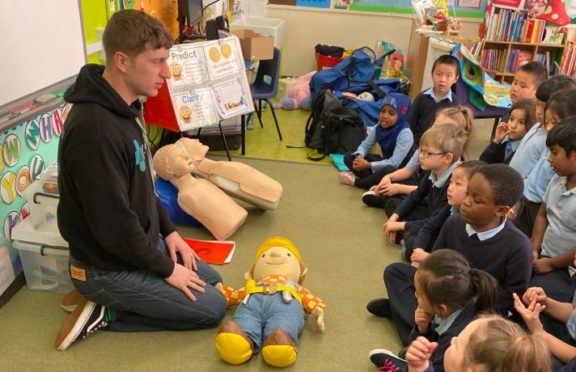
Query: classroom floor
[{"x": 341, "y": 242}]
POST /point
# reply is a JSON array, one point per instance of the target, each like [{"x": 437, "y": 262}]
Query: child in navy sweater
[
  {"x": 440, "y": 150},
  {"x": 445, "y": 73},
  {"x": 449, "y": 295},
  {"x": 481, "y": 233}
]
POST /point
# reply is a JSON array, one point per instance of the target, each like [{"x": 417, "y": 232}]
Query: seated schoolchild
[
  {"x": 482, "y": 234},
  {"x": 534, "y": 142},
  {"x": 508, "y": 135},
  {"x": 554, "y": 234},
  {"x": 440, "y": 149},
  {"x": 456, "y": 193},
  {"x": 560, "y": 106},
  {"x": 449, "y": 295},
  {"x": 392, "y": 134},
  {"x": 489, "y": 343},
  {"x": 394, "y": 187}
]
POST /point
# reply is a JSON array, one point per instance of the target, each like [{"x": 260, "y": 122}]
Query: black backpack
[
  {"x": 342, "y": 131},
  {"x": 313, "y": 132}
]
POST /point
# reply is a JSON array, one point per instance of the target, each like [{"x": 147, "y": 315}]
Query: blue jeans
[
  {"x": 263, "y": 314},
  {"x": 142, "y": 301}
]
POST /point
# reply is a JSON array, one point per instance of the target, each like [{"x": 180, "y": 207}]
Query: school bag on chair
[{"x": 342, "y": 130}]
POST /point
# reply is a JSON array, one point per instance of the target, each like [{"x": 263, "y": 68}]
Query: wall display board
[
  {"x": 42, "y": 43},
  {"x": 208, "y": 83}
]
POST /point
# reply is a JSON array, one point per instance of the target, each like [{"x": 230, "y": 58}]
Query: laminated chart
[{"x": 208, "y": 83}]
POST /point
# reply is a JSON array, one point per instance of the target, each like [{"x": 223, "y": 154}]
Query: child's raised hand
[
  {"x": 530, "y": 313},
  {"x": 535, "y": 293},
  {"x": 419, "y": 353},
  {"x": 501, "y": 132}
]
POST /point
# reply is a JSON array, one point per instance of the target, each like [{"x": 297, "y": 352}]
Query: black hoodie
[{"x": 108, "y": 211}]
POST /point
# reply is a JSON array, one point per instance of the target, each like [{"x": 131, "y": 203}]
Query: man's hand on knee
[{"x": 185, "y": 279}]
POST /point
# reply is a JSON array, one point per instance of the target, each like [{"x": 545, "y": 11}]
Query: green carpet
[
  {"x": 263, "y": 143},
  {"x": 341, "y": 242}
]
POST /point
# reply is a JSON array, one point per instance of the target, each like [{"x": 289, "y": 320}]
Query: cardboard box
[{"x": 255, "y": 46}]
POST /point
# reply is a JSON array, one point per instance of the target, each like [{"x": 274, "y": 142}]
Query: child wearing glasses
[{"x": 440, "y": 149}]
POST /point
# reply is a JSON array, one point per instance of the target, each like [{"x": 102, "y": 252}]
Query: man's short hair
[
  {"x": 131, "y": 31},
  {"x": 506, "y": 183}
]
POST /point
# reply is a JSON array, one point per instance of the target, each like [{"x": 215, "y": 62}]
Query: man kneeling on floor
[{"x": 133, "y": 270}]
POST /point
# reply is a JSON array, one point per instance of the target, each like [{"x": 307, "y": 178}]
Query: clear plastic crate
[
  {"x": 45, "y": 267},
  {"x": 262, "y": 25},
  {"x": 43, "y": 197}
]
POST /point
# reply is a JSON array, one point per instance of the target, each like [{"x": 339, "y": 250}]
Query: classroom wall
[{"x": 306, "y": 27}]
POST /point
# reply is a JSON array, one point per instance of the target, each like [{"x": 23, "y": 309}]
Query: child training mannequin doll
[
  {"x": 196, "y": 196},
  {"x": 237, "y": 179},
  {"x": 271, "y": 307}
]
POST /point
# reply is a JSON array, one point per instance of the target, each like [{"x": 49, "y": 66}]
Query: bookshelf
[{"x": 512, "y": 39}]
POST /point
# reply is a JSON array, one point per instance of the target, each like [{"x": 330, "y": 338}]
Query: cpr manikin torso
[
  {"x": 237, "y": 179},
  {"x": 198, "y": 197}
]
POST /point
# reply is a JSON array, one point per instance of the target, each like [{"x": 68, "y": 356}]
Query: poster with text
[{"x": 208, "y": 83}]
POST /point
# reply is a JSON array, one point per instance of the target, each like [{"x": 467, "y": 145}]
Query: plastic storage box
[
  {"x": 262, "y": 25},
  {"x": 45, "y": 267},
  {"x": 43, "y": 197}
]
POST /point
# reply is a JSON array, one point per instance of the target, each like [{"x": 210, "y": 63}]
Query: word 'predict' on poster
[{"x": 208, "y": 83}]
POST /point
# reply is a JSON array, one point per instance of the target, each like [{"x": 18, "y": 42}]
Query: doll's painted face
[{"x": 279, "y": 261}]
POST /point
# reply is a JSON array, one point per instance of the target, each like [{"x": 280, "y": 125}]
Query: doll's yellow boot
[
  {"x": 278, "y": 349},
  {"x": 233, "y": 348},
  {"x": 279, "y": 355},
  {"x": 233, "y": 344}
]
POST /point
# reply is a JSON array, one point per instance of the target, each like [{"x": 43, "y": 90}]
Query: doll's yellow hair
[{"x": 278, "y": 241}]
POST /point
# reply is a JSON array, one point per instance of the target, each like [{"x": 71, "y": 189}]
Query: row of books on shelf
[
  {"x": 568, "y": 62},
  {"x": 496, "y": 59},
  {"x": 516, "y": 26}
]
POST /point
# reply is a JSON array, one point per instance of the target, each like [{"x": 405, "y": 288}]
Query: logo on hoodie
[{"x": 139, "y": 156}]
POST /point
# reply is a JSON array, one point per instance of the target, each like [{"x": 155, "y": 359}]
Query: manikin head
[
  {"x": 172, "y": 161},
  {"x": 196, "y": 150}
]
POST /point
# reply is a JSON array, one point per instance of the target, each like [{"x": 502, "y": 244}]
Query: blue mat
[{"x": 338, "y": 161}]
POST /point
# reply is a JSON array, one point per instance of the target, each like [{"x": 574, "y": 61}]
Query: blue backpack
[{"x": 353, "y": 70}]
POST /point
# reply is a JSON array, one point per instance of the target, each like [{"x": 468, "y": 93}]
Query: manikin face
[
  {"x": 146, "y": 72},
  {"x": 180, "y": 162},
  {"x": 277, "y": 260}
]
